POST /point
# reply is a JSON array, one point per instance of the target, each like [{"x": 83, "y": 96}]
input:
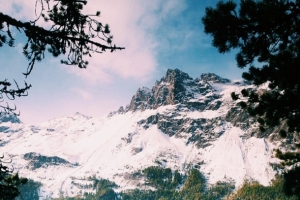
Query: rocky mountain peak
[
  {"x": 168, "y": 91},
  {"x": 174, "y": 88},
  {"x": 175, "y": 75},
  {"x": 211, "y": 77},
  {"x": 203, "y": 129},
  {"x": 142, "y": 99}
]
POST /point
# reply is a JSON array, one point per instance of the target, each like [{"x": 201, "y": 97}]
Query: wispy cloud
[
  {"x": 83, "y": 93},
  {"x": 134, "y": 25},
  {"x": 22, "y": 10}
]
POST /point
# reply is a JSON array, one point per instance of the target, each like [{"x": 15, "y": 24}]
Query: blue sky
[{"x": 158, "y": 35}]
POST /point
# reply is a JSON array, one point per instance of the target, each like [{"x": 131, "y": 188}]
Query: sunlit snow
[{"x": 113, "y": 146}]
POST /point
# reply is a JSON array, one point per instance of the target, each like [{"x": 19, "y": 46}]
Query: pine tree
[
  {"x": 72, "y": 34},
  {"x": 266, "y": 34}
]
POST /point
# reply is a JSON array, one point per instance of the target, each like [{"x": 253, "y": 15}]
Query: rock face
[
  {"x": 37, "y": 161},
  {"x": 199, "y": 131},
  {"x": 193, "y": 95},
  {"x": 9, "y": 118},
  {"x": 175, "y": 88},
  {"x": 168, "y": 91},
  {"x": 211, "y": 77},
  {"x": 185, "y": 93},
  {"x": 142, "y": 100}
]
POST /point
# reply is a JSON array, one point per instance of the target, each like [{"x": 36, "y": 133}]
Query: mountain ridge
[
  {"x": 179, "y": 123},
  {"x": 169, "y": 90}
]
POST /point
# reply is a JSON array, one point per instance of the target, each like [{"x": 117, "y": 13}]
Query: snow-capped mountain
[{"x": 179, "y": 123}]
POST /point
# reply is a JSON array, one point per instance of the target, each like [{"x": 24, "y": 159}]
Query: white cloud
[
  {"x": 18, "y": 8},
  {"x": 172, "y": 8},
  {"x": 132, "y": 22},
  {"x": 83, "y": 93}
]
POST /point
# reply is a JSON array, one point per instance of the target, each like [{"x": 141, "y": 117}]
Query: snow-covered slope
[{"x": 180, "y": 123}]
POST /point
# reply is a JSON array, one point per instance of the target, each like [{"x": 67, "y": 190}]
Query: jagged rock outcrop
[
  {"x": 177, "y": 87},
  {"x": 211, "y": 77},
  {"x": 37, "y": 161},
  {"x": 9, "y": 118},
  {"x": 6, "y": 120},
  {"x": 239, "y": 117},
  {"x": 199, "y": 131},
  {"x": 188, "y": 94},
  {"x": 4, "y": 128},
  {"x": 169, "y": 90},
  {"x": 143, "y": 99}
]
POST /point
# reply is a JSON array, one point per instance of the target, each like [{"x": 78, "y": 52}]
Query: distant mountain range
[{"x": 179, "y": 123}]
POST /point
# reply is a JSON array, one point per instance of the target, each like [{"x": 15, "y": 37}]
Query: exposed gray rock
[
  {"x": 9, "y": 118},
  {"x": 177, "y": 87},
  {"x": 129, "y": 137},
  {"x": 136, "y": 150},
  {"x": 214, "y": 78},
  {"x": 242, "y": 83},
  {"x": 35, "y": 129},
  {"x": 3, "y": 128},
  {"x": 238, "y": 117},
  {"x": 3, "y": 143},
  {"x": 37, "y": 161},
  {"x": 199, "y": 131},
  {"x": 187, "y": 94},
  {"x": 143, "y": 99},
  {"x": 169, "y": 90}
]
